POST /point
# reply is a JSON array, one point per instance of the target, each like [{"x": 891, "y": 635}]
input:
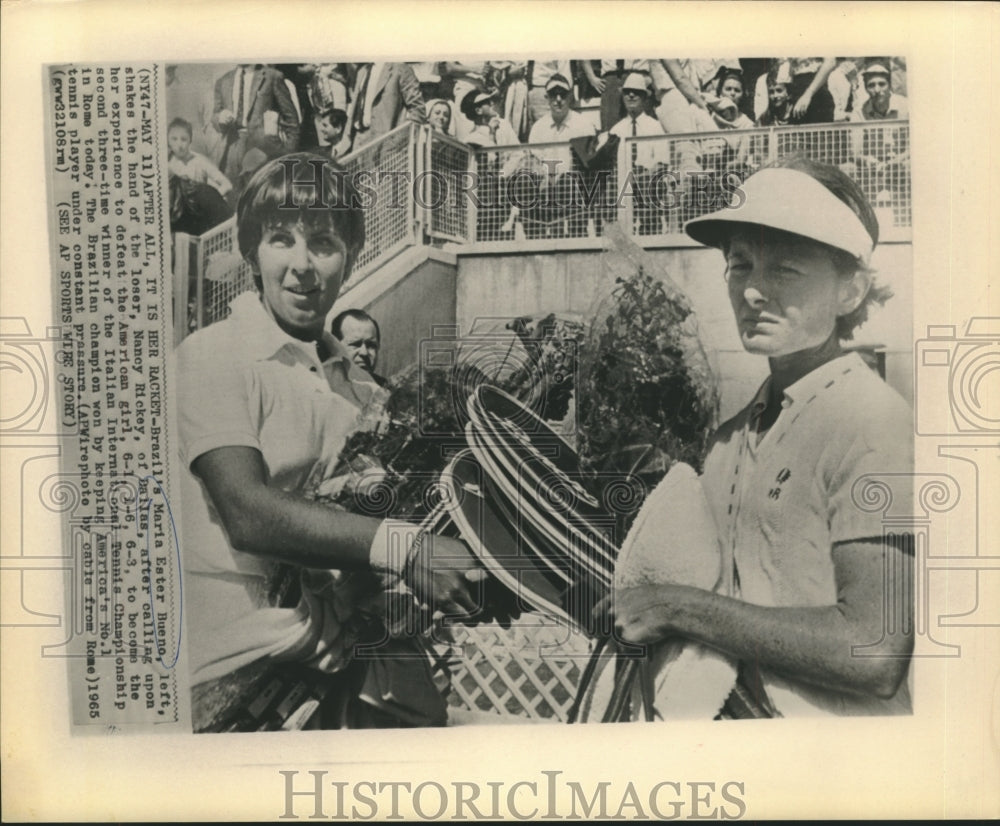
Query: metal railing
[
  {"x": 390, "y": 225},
  {"x": 661, "y": 181},
  {"x": 539, "y": 191},
  {"x": 444, "y": 211},
  {"x": 209, "y": 272},
  {"x": 424, "y": 187}
]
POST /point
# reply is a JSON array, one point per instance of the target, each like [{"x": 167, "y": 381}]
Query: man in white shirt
[
  {"x": 562, "y": 124},
  {"x": 539, "y": 73},
  {"x": 644, "y": 156},
  {"x": 881, "y": 154}
]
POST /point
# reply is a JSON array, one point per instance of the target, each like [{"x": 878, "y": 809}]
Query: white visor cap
[{"x": 792, "y": 201}]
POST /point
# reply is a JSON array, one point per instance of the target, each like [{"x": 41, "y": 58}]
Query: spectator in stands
[
  {"x": 730, "y": 85},
  {"x": 362, "y": 338},
  {"x": 254, "y": 110},
  {"x": 385, "y": 95},
  {"x": 538, "y": 74},
  {"x": 488, "y": 128},
  {"x": 439, "y": 116},
  {"x": 609, "y": 85},
  {"x": 796, "y": 595},
  {"x": 808, "y": 90},
  {"x": 897, "y": 76},
  {"x": 186, "y": 163},
  {"x": 882, "y": 103},
  {"x": 331, "y": 128},
  {"x": 267, "y": 398},
  {"x": 197, "y": 187},
  {"x": 779, "y": 101},
  {"x": 561, "y": 187},
  {"x": 327, "y": 95},
  {"x": 881, "y": 154},
  {"x": 644, "y": 157},
  {"x": 728, "y": 114}
]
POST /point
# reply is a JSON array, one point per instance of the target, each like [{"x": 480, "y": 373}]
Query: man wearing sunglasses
[
  {"x": 562, "y": 124},
  {"x": 644, "y": 157}
]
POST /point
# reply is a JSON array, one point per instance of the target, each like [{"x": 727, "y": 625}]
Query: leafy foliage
[{"x": 646, "y": 397}]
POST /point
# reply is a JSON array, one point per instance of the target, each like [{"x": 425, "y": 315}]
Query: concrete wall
[
  {"x": 408, "y": 297},
  {"x": 507, "y": 285}
]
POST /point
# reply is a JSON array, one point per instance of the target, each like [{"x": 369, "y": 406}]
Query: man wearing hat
[
  {"x": 538, "y": 73},
  {"x": 643, "y": 155},
  {"x": 882, "y": 103},
  {"x": 881, "y": 154},
  {"x": 488, "y": 128},
  {"x": 810, "y": 582},
  {"x": 560, "y": 126}
]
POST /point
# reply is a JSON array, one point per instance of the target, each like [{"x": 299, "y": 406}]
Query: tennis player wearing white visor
[{"x": 813, "y": 604}]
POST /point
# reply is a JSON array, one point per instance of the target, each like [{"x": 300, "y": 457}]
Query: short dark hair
[
  {"x": 338, "y": 117},
  {"x": 180, "y": 123},
  {"x": 336, "y": 326},
  {"x": 284, "y": 191},
  {"x": 727, "y": 74}
]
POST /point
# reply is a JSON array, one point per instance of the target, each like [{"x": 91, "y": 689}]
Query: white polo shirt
[
  {"x": 244, "y": 382},
  {"x": 781, "y": 504},
  {"x": 545, "y": 130}
]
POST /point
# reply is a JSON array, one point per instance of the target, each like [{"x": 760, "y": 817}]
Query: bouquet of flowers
[
  {"x": 647, "y": 397},
  {"x": 635, "y": 380}
]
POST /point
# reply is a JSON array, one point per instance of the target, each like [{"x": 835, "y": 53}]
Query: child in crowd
[
  {"x": 186, "y": 163},
  {"x": 779, "y": 102},
  {"x": 197, "y": 187}
]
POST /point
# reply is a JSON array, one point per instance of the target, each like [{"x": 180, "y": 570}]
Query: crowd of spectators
[{"x": 261, "y": 111}]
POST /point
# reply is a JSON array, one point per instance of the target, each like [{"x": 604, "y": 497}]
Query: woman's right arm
[{"x": 265, "y": 521}]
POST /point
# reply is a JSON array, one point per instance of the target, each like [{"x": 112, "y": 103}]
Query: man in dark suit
[
  {"x": 385, "y": 94},
  {"x": 254, "y": 110}
]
